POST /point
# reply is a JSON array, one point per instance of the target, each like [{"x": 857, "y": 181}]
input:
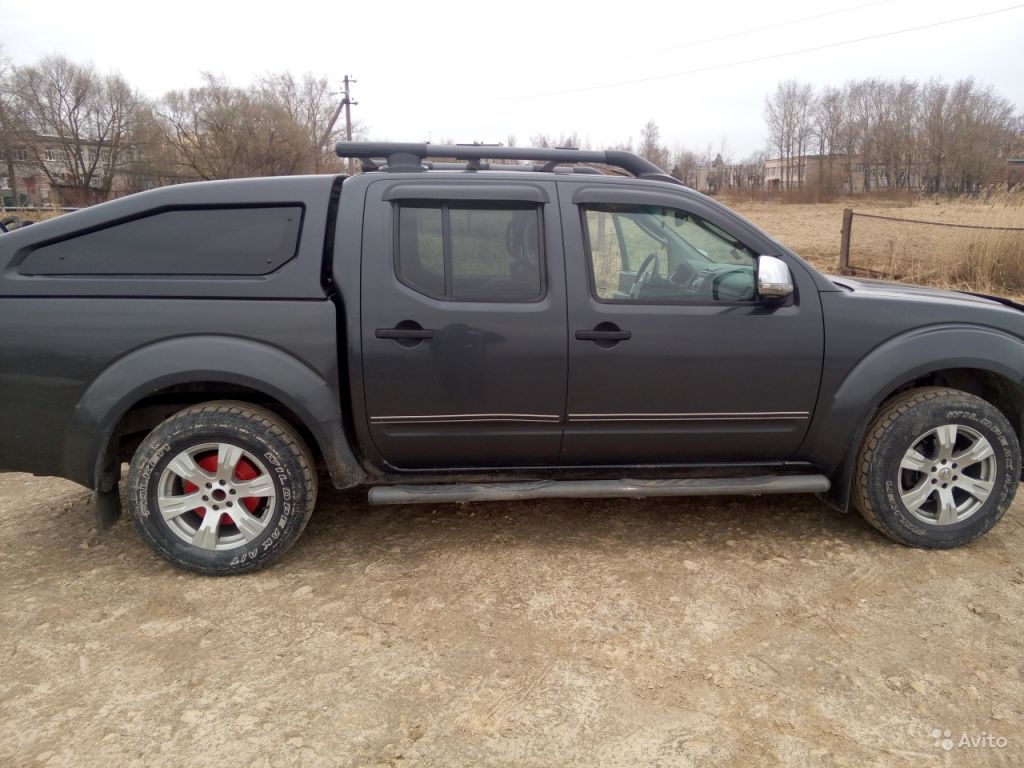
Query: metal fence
[{"x": 927, "y": 251}]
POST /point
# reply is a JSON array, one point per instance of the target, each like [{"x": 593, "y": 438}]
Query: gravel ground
[{"x": 698, "y": 632}]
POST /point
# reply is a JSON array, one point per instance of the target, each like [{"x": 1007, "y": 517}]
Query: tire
[
  {"x": 908, "y": 482},
  {"x": 205, "y": 518}
]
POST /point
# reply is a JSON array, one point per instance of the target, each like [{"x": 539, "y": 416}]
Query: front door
[
  {"x": 672, "y": 357},
  {"x": 464, "y": 323}
]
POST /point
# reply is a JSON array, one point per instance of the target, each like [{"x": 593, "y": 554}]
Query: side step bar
[{"x": 598, "y": 489}]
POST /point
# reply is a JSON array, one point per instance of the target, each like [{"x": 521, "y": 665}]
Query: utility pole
[{"x": 348, "y": 103}]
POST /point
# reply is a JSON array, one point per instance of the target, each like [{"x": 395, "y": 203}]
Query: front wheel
[
  {"x": 221, "y": 488},
  {"x": 938, "y": 468}
]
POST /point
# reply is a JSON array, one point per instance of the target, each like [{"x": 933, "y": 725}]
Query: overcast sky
[{"x": 480, "y": 72}]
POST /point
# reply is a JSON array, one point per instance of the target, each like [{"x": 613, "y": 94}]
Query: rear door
[{"x": 464, "y": 323}]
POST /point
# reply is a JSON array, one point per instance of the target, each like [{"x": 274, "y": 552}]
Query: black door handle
[
  {"x": 603, "y": 335},
  {"x": 404, "y": 333},
  {"x": 407, "y": 333}
]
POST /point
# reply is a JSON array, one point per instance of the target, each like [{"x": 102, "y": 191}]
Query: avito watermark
[{"x": 944, "y": 740}]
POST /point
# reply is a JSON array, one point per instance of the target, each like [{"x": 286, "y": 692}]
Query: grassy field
[{"x": 942, "y": 256}]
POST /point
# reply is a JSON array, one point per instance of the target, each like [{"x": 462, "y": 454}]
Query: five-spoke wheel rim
[
  {"x": 216, "y": 496},
  {"x": 947, "y": 474}
]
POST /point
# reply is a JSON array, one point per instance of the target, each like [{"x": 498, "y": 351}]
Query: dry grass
[{"x": 946, "y": 257}]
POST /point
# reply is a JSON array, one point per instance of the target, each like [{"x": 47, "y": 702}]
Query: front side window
[
  {"x": 470, "y": 252},
  {"x": 653, "y": 254}
]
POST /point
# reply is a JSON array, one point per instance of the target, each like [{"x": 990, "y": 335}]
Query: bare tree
[
  {"x": 75, "y": 124},
  {"x": 789, "y": 117},
  {"x": 858, "y": 127},
  {"x": 965, "y": 129},
  {"x": 902, "y": 135},
  {"x": 780, "y": 140},
  {"x": 153, "y": 162},
  {"x": 651, "y": 147},
  {"x": 219, "y": 132},
  {"x": 565, "y": 140},
  {"x": 907, "y": 130},
  {"x": 803, "y": 126},
  {"x": 752, "y": 169},
  {"x": 8, "y": 143},
  {"x": 894, "y": 118},
  {"x": 829, "y": 122},
  {"x": 311, "y": 104},
  {"x": 983, "y": 128},
  {"x": 935, "y": 134},
  {"x": 684, "y": 166}
]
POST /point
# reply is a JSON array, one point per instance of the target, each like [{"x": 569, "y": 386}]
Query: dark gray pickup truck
[{"x": 570, "y": 323}]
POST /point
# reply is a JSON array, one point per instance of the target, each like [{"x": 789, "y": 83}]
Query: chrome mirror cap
[{"x": 774, "y": 280}]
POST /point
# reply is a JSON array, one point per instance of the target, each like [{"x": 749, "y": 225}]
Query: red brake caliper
[{"x": 244, "y": 471}]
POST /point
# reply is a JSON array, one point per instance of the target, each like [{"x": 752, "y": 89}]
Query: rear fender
[{"x": 222, "y": 359}]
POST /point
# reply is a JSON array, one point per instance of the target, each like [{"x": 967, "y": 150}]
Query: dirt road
[{"x": 697, "y": 632}]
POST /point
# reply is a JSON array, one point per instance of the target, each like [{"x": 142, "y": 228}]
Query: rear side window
[
  {"x": 209, "y": 241},
  {"x": 470, "y": 252}
]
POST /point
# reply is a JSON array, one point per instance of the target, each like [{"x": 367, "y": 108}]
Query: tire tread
[
  {"x": 877, "y": 431},
  {"x": 259, "y": 418}
]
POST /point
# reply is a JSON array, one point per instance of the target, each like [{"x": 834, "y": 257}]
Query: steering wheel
[
  {"x": 683, "y": 274},
  {"x": 643, "y": 275}
]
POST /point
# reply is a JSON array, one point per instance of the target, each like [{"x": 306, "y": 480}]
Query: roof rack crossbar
[
  {"x": 434, "y": 165},
  {"x": 401, "y": 156}
]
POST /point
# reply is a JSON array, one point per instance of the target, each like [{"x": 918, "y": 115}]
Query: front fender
[
  {"x": 842, "y": 414},
  {"x": 209, "y": 358}
]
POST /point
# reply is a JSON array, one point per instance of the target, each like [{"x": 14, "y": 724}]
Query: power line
[
  {"x": 719, "y": 38},
  {"x": 755, "y": 60}
]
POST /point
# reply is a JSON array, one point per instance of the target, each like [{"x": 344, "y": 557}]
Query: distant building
[
  {"x": 1009, "y": 175},
  {"x": 32, "y": 190},
  {"x": 719, "y": 176},
  {"x": 37, "y": 189},
  {"x": 841, "y": 173}
]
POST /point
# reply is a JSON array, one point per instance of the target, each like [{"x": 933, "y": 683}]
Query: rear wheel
[
  {"x": 938, "y": 468},
  {"x": 221, "y": 488}
]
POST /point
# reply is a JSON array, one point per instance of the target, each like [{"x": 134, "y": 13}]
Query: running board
[{"x": 598, "y": 489}]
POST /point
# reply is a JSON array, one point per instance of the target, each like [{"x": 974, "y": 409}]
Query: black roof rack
[{"x": 404, "y": 157}]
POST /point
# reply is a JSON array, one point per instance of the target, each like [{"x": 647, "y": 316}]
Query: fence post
[{"x": 844, "y": 244}]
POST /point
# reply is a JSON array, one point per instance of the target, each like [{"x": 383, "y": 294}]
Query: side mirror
[{"x": 774, "y": 280}]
